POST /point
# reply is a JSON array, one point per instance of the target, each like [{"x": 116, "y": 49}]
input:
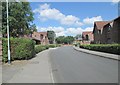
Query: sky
[{"x": 71, "y": 18}]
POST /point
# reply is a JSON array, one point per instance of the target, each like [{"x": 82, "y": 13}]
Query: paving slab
[{"x": 37, "y": 70}]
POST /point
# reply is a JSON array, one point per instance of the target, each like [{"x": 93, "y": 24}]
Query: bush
[
  {"x": 77, "y": 44},
  {"x": 39, "y": 48},
  {"x": 20, "y": 48},
  {"x": 108, "y": 48},
  {"x": 52, "y": 45},
  {"x": 58, "y": 45}
]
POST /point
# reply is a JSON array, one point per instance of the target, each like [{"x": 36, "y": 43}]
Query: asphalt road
[{"x": 71, "y": 66}]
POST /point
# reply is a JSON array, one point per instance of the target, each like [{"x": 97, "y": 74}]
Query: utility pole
[{"x": 8, "y": 34}]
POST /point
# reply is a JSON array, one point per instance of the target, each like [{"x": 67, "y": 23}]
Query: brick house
[
  {"x": 98, "y": 31},
  {"x": 87, "y": 37},
  {"x": 111, "y": 32},
  {"x": 39, "y": 37}
]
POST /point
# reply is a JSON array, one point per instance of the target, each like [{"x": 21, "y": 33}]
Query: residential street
[
  {"x": 71, "y": 66},
  {"x": 62, "y": 65}
]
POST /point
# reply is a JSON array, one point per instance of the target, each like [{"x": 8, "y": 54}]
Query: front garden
[
  {"x": 108, "y": 48},
  {"x": 22, "y": 49}
]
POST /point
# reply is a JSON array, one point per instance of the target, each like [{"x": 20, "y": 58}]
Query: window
[
  {"x": 41, "y": 36},
  {"x": 109, "y": 28},
  {"x": 99, "y": 31},
  {"x": 87, "y": 37}
]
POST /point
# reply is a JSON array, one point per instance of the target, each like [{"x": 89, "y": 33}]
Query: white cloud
[
  {"x": 70, "y": 20},
  {"x": 74, "y": 31},
  {"x": 92, "y": 20},
  {"x": 45, "y": 6},
  {"x": 88, "y": 29},
  {"x": 61, "y": 31},
  {"x": 51, "y": 13},
  {"x": 115, "y": 1}
]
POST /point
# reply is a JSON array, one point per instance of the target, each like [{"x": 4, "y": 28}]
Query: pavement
[
  {"x": 71, "y": 66},
  {"x": 36, "y": 70},
  {"x": 99, "y": 54}
]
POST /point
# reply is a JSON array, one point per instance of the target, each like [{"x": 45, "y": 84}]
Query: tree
[
  {"x": 20, "y": 18},
  {"x": 68, "y": 40},
  {"x": 65, "y": 40},
  {"x": 51, "y": 36},
  {"x": 60, "y": 39},
  {"x": 78, "y": 36}
]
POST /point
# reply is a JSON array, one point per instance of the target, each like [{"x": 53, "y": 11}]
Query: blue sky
[{"x": 71, "y": 18}]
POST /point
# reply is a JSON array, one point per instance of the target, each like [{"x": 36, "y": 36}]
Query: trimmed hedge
[
  {"x": 21, "y": 49},
  {"x": 108, "y": 48},
  {"x": 39, "y": 48}
]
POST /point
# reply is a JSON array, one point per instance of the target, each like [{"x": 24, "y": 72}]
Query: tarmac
[{"x": 100, "y": 54}]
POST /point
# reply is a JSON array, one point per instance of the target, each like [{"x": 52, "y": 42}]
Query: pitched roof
[
  {"x": 101, "y": 24},
  {"x": 86, "y": 32},
  {"x": 42, "y": 32}
]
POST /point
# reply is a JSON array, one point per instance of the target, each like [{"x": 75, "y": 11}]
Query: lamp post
[{"x": 8, "y": 34}]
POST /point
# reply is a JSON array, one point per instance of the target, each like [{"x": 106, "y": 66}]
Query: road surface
[{"x": 71, "y": 66}]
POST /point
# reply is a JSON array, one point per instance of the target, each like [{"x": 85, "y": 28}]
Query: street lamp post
[{"x": 8, "y": 34}]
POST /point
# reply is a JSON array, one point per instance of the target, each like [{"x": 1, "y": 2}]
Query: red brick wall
[
  {"x": 43, "y": 40},
  {"x": 90, "y": 37}
]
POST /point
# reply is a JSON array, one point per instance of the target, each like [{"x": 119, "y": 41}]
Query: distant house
[
  {"x": 78, "y": 39},
  {"x": 87, "y": 37},
  {"x": 111, "y": 32},
  {"x": 98, "y": 31},
  {"x": 39, "y": 37}
]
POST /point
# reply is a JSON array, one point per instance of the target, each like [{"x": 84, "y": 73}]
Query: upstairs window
[{"x": 109, "y": 28}]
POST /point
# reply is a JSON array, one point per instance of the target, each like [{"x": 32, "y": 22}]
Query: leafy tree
[
  {"x": 78, "y": 36},
  {"x": 68, "y": 40},
  {"x": 65, "y": 40},
  {"x": 20, "y": 19},
  {"x": 60, "y": 39},
  {"x": 51, "y": 36}
]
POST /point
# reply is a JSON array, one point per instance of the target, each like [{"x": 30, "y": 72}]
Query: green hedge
[
  {"x": 108, "y": 48},
  {"x": 39, "y": 48},
  {"x": 21, "y": 48},
  {"x": 77, "y": 44}
]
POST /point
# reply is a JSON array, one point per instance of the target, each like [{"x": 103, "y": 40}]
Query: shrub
[
  {"x": 58, "y": 45},
  {"x": 52, "y": 45},
  {"x": 108, "y": 48},
  {"x": 39, "y": 48},
  {"x": 20, "y": 48}
]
